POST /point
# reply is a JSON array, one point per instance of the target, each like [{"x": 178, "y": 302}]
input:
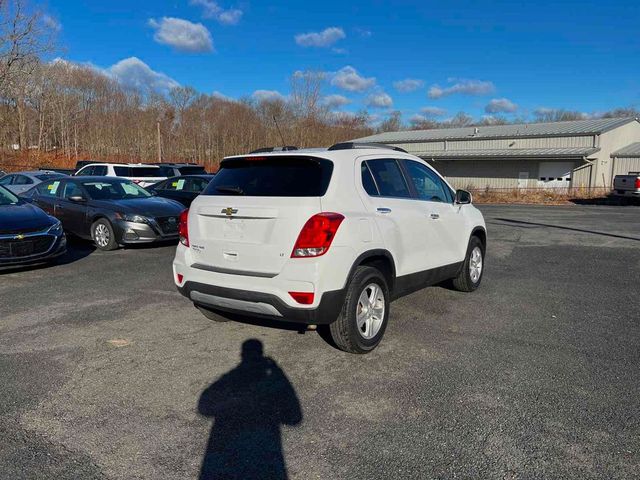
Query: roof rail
[
  {"x": 286, "y": 148},
  {"x": 352, "y": 145}
]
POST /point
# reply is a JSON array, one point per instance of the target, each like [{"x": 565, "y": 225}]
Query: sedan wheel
[{"x": 103, "y": 235}]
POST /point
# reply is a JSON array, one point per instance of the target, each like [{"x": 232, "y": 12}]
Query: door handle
[
  {"x": 383, "y": 210},
  {"x": 435, "y": 216}
]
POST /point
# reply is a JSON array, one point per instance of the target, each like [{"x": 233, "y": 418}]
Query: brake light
[
  {"x": 183, "y": 227},
  {"x": 305, "y": 298},
  {"x": 317, "y": 234},
  {"x": 637, "y": 182}
]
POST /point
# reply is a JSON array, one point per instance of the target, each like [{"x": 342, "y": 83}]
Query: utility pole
[{"x": 159, "y": 144}]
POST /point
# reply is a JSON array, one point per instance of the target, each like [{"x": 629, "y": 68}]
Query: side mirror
[
  {"x": 77, "y": 199},
  {"x": 463, "y": 197}
]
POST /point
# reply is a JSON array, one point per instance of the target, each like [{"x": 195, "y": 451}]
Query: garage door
[{"x": 555, "y": 174}]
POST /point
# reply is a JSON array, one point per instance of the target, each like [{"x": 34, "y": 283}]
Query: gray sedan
[{"x": 20, "y": 182}]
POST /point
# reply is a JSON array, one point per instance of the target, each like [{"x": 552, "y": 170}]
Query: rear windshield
[
  {"x": 137, "y": 171},
  {"x": 195, "y": 170},
  {"x": 48, "y": 176},
  {"x": 293, "y": 176}
]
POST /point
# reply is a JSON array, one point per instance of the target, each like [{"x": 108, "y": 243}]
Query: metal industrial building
[{"x": 580, "y": 153}]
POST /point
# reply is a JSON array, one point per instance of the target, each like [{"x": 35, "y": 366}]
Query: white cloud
[
  {"x": 433, "y": 111},
  {"x": 379, "y": 100},
  {"x": 325, "y": 38},
  {"x": 222, "y": 96},
  {"x": 267, "y": 95},
  {"x": 347, "y": 78},
  {"x": 417, "y": 118},
  {"x": 183, "y": 35},
  {"x": 408, "y": 85},
  {"x": 501, "y": 105},
  {"x": 335, "y": 101},
  {"x": 461, "y": 86},
  {"x": 133, "y": 72},
  {"x": 51, "y": 23},
  {"x": 211, "y": 9}
]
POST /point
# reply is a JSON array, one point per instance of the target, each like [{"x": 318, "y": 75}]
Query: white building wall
[
  {"x": 624, "y": 165},
  {"x": 610, "y": 142}
]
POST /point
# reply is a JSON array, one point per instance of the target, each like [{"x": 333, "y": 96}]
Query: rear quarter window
[{"x": 278, "y": 176}]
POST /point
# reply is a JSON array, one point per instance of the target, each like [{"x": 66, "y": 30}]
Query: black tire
[
  {"x": 464, "y": 282},
  {"x": 211, "y": 315},
  {"x": 345, "y": 331},
  {"x": 97, "y": 232}
]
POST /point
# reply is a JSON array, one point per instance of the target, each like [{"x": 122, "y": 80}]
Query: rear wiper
[{"x": 229, "y": 189}]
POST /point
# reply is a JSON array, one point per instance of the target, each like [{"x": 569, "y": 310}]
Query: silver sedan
[{"x": 20, "y": 182}]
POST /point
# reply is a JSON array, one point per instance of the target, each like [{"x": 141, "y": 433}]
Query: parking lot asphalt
[{"x": 107, "y": 372}]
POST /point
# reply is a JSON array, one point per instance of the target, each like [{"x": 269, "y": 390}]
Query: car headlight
[
  {"x": 129, "y": 217},
  {"x": 55, "y": 229}
]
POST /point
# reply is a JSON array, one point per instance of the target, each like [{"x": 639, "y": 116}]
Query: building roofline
[{"x": 615, "y": 123}]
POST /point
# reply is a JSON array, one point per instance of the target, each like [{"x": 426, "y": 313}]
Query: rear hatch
[{"x": 249, "y": 216}]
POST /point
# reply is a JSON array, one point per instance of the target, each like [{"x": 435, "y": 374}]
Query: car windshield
[
  {"x": 7, "y": 198},
  {"x": 117, "y": 190}
]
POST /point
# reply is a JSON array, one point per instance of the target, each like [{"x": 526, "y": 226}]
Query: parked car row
[{"x": 109, "y": 210}]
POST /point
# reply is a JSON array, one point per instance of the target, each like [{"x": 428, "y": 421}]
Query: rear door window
[
  {"x": 367, "y": 181},
  {"x": 48, "y": 189},
  {"x": 6, "y": 180},
  {"x": 22, "y": 180},
  {"x": 389, "y": 178},
  {"x": 281, "y": 176}
]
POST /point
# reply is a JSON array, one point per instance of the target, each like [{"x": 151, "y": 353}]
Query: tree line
[{"x": 57, "y": 112}]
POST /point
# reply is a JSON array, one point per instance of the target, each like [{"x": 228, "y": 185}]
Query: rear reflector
[
  {"x": 317, "y": 234},
  {"x": 305, "y": 298},
  {"x": 179, "y": 277}
]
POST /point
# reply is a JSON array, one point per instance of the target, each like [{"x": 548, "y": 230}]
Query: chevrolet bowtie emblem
[
  {"x": 229, "y": 211},
  {"x": 18, "y": 237}
]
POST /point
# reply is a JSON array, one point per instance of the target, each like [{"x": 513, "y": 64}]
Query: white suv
[
  {"x": 326, "y": 237},
  {"x": 139, "y": 173}
]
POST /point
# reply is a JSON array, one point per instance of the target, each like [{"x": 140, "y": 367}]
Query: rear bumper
[
  {"x": 626, "y": 193},
  {"x": 265, "y": 305}
]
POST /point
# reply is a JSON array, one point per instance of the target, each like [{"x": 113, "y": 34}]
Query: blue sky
[{"x": 502, "y": 57}]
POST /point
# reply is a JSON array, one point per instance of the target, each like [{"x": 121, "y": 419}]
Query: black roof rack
[
  {"x": 352, "y": 145},
  {"x": 286, "y": 148}
]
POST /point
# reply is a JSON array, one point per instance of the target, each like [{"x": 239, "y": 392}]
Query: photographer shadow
[{"x": 248, "y": 405}]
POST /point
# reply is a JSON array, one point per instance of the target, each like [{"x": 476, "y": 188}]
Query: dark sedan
[
  {"x": 108, "y": 210},
  {"x": 183, "y": 189},
  {"x": 27, "y": 234}
]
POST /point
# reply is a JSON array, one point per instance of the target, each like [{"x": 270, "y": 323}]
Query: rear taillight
[
  {"x": 183, "y": 227},
  {"x": 179, "y": 278},
  {"x": 304, "y": 298},
  {"x": 637, "y": 182},
  {"x": 317, "y": 234}
]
